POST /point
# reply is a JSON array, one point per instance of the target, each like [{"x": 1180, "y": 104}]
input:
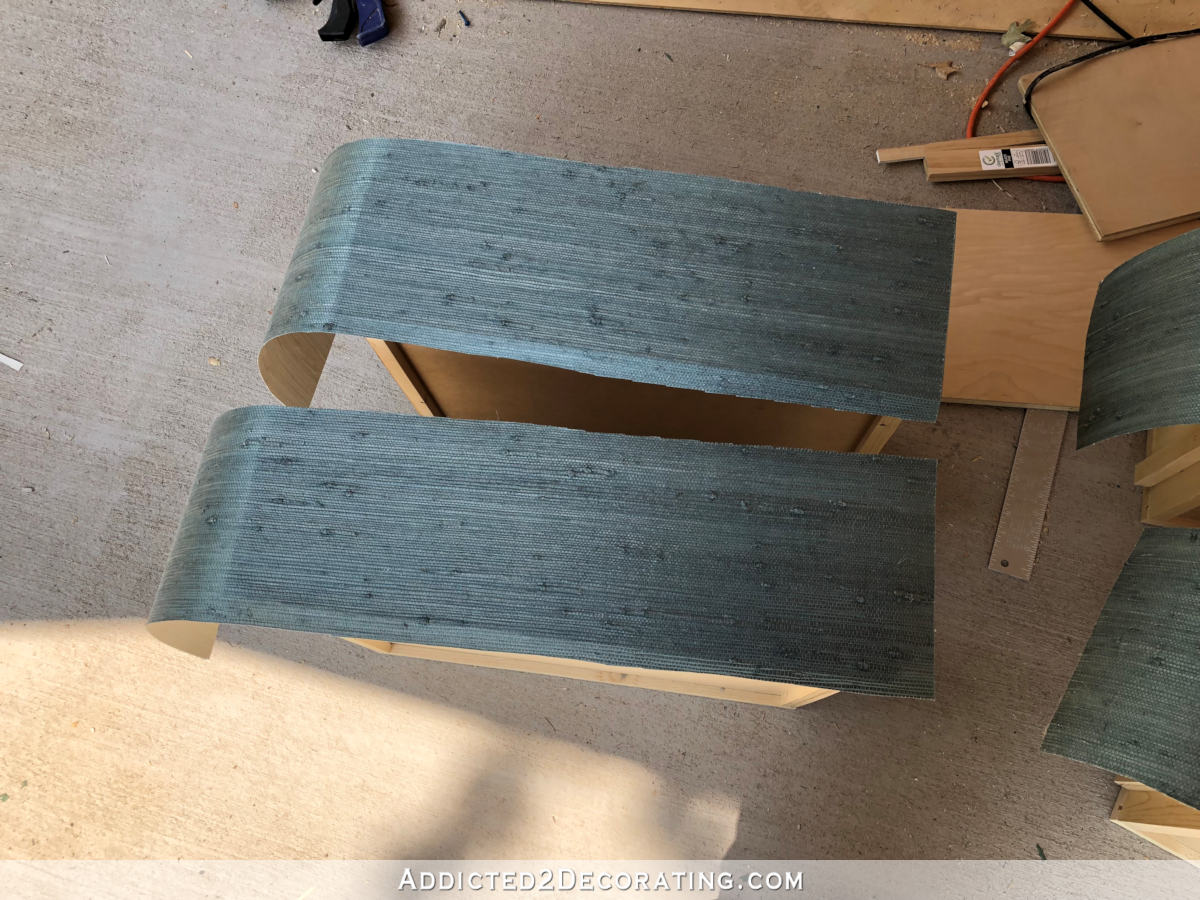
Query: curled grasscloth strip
[
  {"x": 1133, "y": 705},
  {"x": 676, "y": 280},
  {"x": 786, "y": 565},
  {"x": 1141, "y": 368}
]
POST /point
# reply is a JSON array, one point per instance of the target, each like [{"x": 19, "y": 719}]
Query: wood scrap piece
[
  {"x": 995, "y": 161},
  {"x": 1019, "y": 531},
  {"x": 1139, "y": 16},
  {"x": 1124, "y": 131},
  {"x": 915, "y": 152},
  {"x": 791, "y": 567}
]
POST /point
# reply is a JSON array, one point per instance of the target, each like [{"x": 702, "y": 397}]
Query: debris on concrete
[
  {"x": 462, "y": 15},
  {"x": 214, "y": 360},
  {"x": 944, "y": 69},
  {"x": 15, "y": 364}
]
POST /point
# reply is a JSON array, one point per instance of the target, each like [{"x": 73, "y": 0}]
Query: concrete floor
[{"x": 155, "y": 170}]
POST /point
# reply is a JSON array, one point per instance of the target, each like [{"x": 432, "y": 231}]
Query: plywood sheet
[
  {"x": 1124, "y": 130},
  {"x": 790, "y": 566},
  {"x": 1142, "y": 364},
  {"x": 676, "y": 280},
  {"x": 1133, "y": 705},
  {"x": 1137, "y": 16},
  {"x": 1020, "y": 302}
]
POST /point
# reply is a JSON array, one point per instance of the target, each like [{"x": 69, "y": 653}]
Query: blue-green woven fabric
[
  {"x": 1133, "y": 705},
  {"x": 786, "y": 565},
  {"x": 1141, "y": 368},
  {"x": 669, "y": 279}
]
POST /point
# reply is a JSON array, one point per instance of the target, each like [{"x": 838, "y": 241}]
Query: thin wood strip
[
  {"x": 916, "y": 152},
  {"x": 966, "y": 165},
  {"x": 878, "y": 433},
  {"x": 1027, "y": 498},
  {"x": 400, "y": 367}
]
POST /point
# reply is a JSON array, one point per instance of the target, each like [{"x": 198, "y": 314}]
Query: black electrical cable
[
  {"x": 1111, "y": 48},
  {"x": 1103, "y": 17}
]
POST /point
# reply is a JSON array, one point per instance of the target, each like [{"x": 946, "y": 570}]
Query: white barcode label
[{"x": 1016, "y": 157}]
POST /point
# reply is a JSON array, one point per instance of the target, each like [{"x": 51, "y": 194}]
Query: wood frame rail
[
  {"x": 1155, "y": 817},
  {"x": 1170, "y": 477},
  {"x": 697, "y": 684}
]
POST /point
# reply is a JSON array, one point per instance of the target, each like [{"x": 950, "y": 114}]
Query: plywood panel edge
[{"x": 1140, "y": 16}]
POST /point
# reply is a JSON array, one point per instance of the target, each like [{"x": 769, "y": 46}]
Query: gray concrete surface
[{"x": 155, "y": 167}]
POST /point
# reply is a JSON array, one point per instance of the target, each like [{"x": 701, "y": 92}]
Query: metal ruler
[{"x": 1028, "y": 494}]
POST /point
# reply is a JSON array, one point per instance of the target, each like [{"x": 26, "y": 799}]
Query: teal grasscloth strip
[
  {"x": 796, "y": 566},
  {"x": 668, "y": 279},
  {"x": 1133, "y": 705},
  {"x": 1141, "y": 368}
]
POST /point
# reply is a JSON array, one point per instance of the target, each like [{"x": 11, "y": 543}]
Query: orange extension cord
[{"x": 973, "y": 120}]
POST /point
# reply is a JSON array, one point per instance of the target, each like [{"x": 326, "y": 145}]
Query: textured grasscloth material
[
  {"x": 1133, "y": 706},
  {"x": 784, "y": 565},
  {"x": 669, "y": 279},
  {"x": 1141, "y": 369}
]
